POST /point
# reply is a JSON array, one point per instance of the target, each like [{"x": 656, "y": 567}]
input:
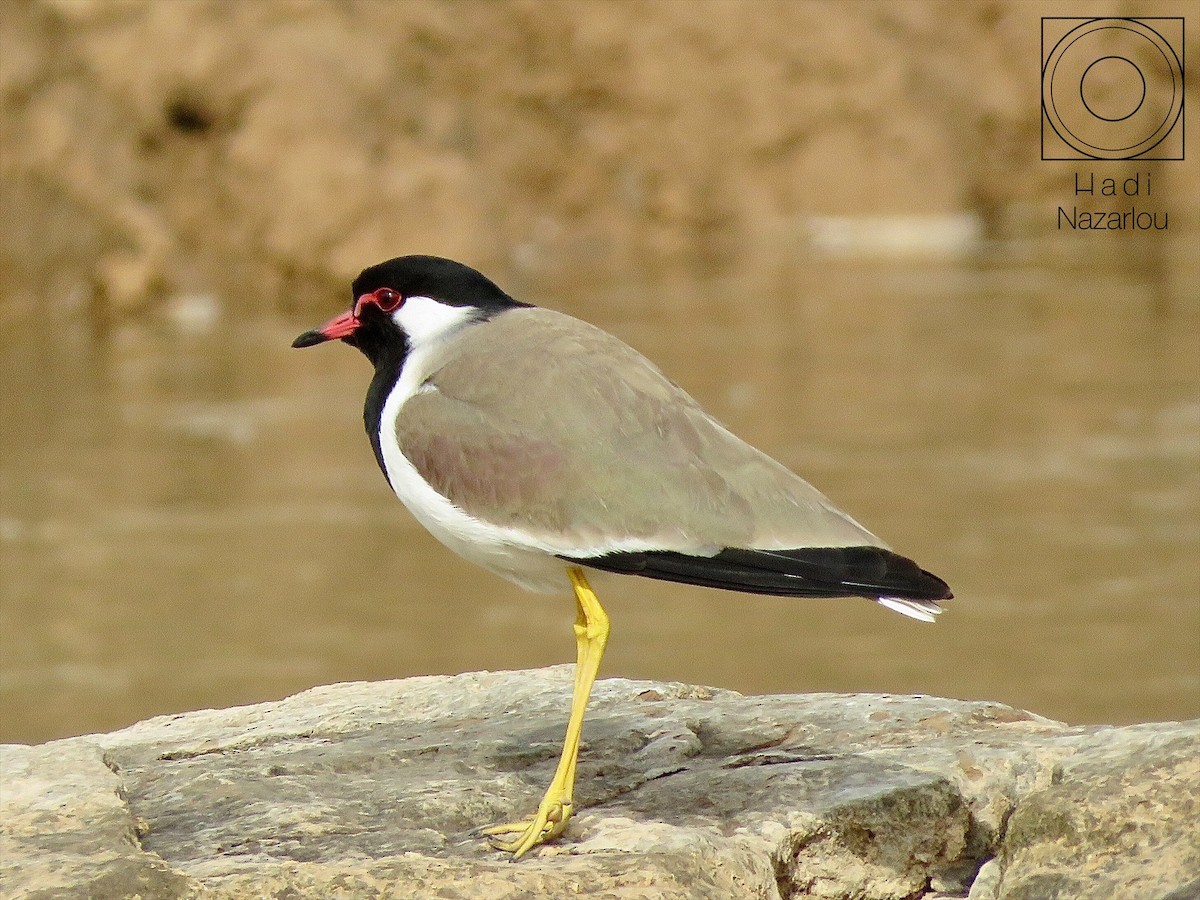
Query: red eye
[{"x": 388, "y": 299}]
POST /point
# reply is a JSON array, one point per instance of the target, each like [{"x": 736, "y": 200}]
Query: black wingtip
[{"x": 803, "y": 572}]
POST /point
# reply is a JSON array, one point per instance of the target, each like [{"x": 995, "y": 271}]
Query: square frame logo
[{"x": 1112, "y": 88}]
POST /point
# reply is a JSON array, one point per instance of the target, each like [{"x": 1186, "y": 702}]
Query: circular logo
[{"x": 1112, "y": 88}]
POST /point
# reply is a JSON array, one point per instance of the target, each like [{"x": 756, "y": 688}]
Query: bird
[{"x": 540, "y": 446}]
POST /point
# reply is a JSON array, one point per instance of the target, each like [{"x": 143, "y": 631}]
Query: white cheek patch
[{"x": 425, "y": 320}]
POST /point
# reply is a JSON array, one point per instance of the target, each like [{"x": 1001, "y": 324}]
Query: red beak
[{"x": 339, "y": 327}]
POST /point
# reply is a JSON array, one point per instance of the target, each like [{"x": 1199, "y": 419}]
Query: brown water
[{"x": 191, "y": 515}]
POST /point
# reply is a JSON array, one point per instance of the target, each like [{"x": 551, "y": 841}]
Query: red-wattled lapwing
[{"x": 539, "y": 446}]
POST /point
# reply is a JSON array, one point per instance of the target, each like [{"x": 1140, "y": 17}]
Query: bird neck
[{"x": 388, "y": 365}]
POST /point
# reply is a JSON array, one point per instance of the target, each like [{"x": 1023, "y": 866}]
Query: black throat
[{"x": 388, "y": 362}]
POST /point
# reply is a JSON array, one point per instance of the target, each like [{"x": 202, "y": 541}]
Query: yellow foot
[{"x": 549, "y": 822}]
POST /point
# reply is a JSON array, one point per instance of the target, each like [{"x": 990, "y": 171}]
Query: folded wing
[{"x": 574, "y": 440}]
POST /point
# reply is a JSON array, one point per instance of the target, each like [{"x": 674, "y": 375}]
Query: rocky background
[
  {"x": 268, "y": 150},
  {"x": 372, "y": 790}
]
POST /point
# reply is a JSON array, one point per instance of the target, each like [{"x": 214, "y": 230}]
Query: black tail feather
[{"x": 806, "y": 572}]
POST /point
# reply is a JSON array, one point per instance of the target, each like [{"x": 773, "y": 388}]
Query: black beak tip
[{"x": 309, "y": 339}]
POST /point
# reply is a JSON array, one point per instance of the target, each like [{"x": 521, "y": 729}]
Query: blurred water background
[
  {"x": 830, "y": 222},
  {"x": 192, "y": 515}
]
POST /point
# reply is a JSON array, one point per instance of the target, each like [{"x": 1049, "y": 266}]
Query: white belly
[{"x": 505, "y": 551}]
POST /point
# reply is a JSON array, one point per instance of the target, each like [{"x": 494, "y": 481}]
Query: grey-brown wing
[{"x": 541, "y": 423}]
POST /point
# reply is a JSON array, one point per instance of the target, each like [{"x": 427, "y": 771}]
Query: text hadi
[{"x": 1128, "y": 219}]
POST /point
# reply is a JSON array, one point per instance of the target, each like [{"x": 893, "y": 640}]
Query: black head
[
  {"x": 379, "y": 293},
  {"x": 379, "y": 323},
  {"x": 444, "y": 280}
]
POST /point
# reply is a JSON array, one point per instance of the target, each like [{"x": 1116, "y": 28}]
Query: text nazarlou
[{"x": 1126, "y": 219}]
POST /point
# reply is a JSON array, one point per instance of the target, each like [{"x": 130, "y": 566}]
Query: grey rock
[
  {"x": 372, "y": 790},
  {"x": 1119, "y": 820}
]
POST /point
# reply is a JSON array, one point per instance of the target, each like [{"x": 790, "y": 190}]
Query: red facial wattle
[{"x": 386, "y": 299}]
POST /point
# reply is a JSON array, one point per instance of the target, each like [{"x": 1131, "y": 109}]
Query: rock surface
[{"x": 372, "y": 790}]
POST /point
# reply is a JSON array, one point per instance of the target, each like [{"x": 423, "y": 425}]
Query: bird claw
[{"x": 548, "y": 823}]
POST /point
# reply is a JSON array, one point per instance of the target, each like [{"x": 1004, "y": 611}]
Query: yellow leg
[{"x": 550, "y": 820}]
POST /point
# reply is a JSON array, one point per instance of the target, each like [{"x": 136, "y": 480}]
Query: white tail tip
[{"x": 921, "y": 610}]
